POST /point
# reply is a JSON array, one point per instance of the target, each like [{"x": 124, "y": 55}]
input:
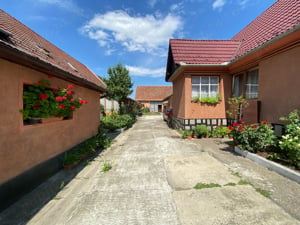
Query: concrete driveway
[{"x": 152, "y": 181}]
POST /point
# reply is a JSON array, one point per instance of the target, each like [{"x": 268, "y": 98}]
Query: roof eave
[
  {"x": 297, "y": 27},
  {"x": 182, "y": 65},
  {"x": 13, "y": 54}
]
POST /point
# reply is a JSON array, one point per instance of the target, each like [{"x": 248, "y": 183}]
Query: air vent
[
  {"x": 72, "y": 67},
  {"x": 4, "y": 35}
]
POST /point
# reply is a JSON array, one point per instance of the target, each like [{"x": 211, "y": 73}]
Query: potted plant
[
  {"x": 202, "y": 130},
  {"x": 187, "y": 134},
  {"x": 41, "y": 101},
  {"x": 211, "y": 100}
]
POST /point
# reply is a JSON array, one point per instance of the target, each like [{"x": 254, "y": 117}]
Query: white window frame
[
  {"x": 209, "y": 86},
  {"x": 252, "y": 84}
]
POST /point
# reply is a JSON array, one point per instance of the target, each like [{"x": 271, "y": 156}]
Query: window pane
[
  {"x": 237, "y": 86},
  {"x": 214, "y": 80},
  {"x": 195, "y": 91},
  {"x": 205, "y": 80},
  {"x": 213, "y": 91},
  {"x": 252, "y": 84},
  {"x": 204, "y": 91},
  {"x": 195, "y": 80}
]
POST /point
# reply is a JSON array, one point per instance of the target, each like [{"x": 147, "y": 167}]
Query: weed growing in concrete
[
  {"x": 230, "y": 184},
  {"x": 106, "y": 167},
  {"x": 203, "y": 185},
  {"x": 62, "y": 184},
  {"x": 236, "y": 174},
  {"x": 263, "y": 192},
  {"x": 244, "y": 182}
]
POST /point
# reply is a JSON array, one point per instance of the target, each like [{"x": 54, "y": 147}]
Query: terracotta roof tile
[
  {"x": 153, "y": 93},
  {"x": 29, "y": 42},
  {"x": 282, "y": 16},
  {"x": 203, "y": 51}
]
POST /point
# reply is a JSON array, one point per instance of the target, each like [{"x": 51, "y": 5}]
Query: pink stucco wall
[
  {"x": 182, "y": 98},
  {"x": 22, "y": 147},
  {"x": 279, "y": 90}
]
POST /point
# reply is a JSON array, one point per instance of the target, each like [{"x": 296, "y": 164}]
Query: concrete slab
[
  {"x": 229, "y": 205},
  {"x": 186, "y": 170}
]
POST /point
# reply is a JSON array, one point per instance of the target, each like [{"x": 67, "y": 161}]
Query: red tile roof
[
  {"x": 203, "y": 51},
  {"x": 282, "y": 16},
  {"x": 152, "y": 93},
  {"x": 27, "y": 41}
]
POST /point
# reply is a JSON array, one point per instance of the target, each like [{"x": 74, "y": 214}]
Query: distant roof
[
  {"x": 203, "y": 51},
  {"x": 282, "y": 16},
  {"x": 152, "y": 93},
  {"x": 15, "y": 36}
]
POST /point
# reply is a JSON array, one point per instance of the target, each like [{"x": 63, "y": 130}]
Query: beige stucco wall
[
  {"x": 279, "y": 90},
  {"x": 22, "y": 147}
]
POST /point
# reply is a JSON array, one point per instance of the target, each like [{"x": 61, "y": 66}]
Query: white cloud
[
  {"x": 65, "y": 4},
  {"x": 218, "y": 4},
  {"x": 135, "y": 33},
  {"x": 243, "y": 2},
  {"x": 143, "y": 72}
]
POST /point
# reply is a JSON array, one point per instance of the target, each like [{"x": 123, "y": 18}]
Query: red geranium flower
[
  {"x": 72, "y": 107},
  {"x": 241, "y": 121},
  {"x": 240, "y": 128},
  {"x": 81, "y": 101},
  {"x": 61, "y": 106},
  {"x": 265, "y": 122},
  {"x": 70, "y": 92},
  {"x": 235, "y": 124},
  {"x": 44, "y": 96},
  {"x": 37, "y": 105},
  {"x": 55, "y": 91},
  {"x": 64, "y": 97},
  {"x": 59, "y": 99},
  {"x": 72, "y": 100},
  {"x": 70, "y": 86},
  {"x": 85, "y": 101},
  {"x": 230, "y": 128}
]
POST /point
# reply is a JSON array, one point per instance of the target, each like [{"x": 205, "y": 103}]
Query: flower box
[{"x": 51, "y": 119}]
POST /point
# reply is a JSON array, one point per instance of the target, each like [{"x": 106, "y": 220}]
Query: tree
[{"x": 118, "y": 84}]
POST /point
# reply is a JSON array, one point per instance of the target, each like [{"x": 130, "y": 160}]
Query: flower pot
[
  {"x": 70, "y": 167},
  {"x": 35, "y": 120},
  {"x": 51, "y": 119},
  {"x": 189, "y": 136}
]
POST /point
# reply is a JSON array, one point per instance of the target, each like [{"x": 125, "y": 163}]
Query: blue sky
[{"x": 135, "y": 33}]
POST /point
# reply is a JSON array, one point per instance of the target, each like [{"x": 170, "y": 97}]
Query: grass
[
  {"x": 236, "y": 174},
  {"x": 244, "y": 182},
  {"x": 230, "y": 184},
  {"x": 263, "y": 192},
  {"x": 203, "y": 185},
  {"x": 106, "y": 167}
]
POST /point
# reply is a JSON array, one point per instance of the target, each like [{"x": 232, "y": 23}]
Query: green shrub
[
  {"x": 201, "y": 130},
  {"x": 252, "y": 137},
  {"x": 116, "y": 121},
  {"x": 290, "y": 142},
  {"x": 221, "y": 131},
  {"x": 186, "y": 133}
]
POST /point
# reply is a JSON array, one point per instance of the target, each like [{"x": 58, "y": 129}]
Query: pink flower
[
  {"x": 70, "y": 86},
  {"x": 72, "y": 100},
  {"x": 85, "y": 101},
  {"x": 81, "y": 101},
  {"x": 72, "y": 107},
  {"x": 64, "y": 97},
  {"x": 59, "y": 98},
  {"x": 61, "y": 106}
]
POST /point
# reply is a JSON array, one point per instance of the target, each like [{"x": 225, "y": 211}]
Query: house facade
[
  {"x": 152, "y": 97},
  {"x": 31, "y": 153},
  {"x": 259, "y": 64}
]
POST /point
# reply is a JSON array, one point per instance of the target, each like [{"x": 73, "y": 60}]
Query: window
[
  {"x": 252, "y": 84},
  {"x": 205, "y": 86},
  {"x": 237, "y": 86}
]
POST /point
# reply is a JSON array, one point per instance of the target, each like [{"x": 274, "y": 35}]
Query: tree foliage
[{"x": 119, "y": 83}]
